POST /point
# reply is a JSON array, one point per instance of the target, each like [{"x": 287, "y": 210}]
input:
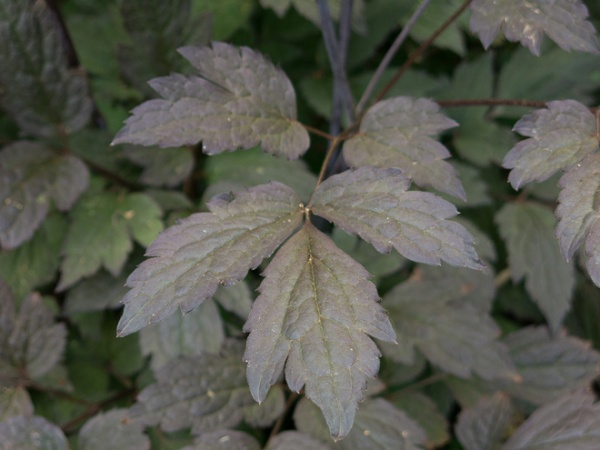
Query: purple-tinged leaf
[
  {"x": 569, "y": 422},
  {"x": 315, "y": 310},
  {"x": 205, "y": 393},
  {"x": 374, "y": 204},
  {"x": 485, "y": 425},
  {"x": 191, "y": 259},
  {"x": 224, "y": 440},
  {"x": 559, "y": 137},
  {"x": 264, "y": 414},
  {"x": 162, "y": 166},
  {"x": 239, "y": 100},
  {"x": 112, "y": 430},
  {"x": 15, "y": 402},
  {"x": 31, "y": 178},
  {"x": 396, "y": 133},
  {"x": 39, "y": 91},
  {"x": 527, "y": 21},
  {"x": 577, "y": 213},
  {"x": 103, "y": 226},
  {"x": 534, "y": 254},
  {"x": 441, "y": 318},
  {"x": 296, "y": 440},
  {"x": 31, "y": 433},
  {"x": 31, "y": 344}
]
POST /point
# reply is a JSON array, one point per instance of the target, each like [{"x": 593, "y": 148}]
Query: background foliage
[{"x": 504, "y": 357}]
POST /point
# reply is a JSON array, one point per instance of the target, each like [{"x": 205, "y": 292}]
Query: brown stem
[
  {"x": 317, "y": 132},
  {"x": 332, "y": 146},
  {"x": 57, "y": 393},
  {"x": 111, "y": 175},
  {"x": 288, "y": 405}
]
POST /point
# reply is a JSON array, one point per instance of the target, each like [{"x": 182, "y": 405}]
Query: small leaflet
[
  {"x": 564, "y": 21},
  {"x": 39, "y": 91},
  {"x": 577, "y": 213},
  {"x": 35, "y": 432},
  {"x": 534, "y": 255},
  {"x": 32, "y": 177},
  {"x": 374, "y": 204},
  {"x": 396, "y": 133},
  {"x": 295, "y": 440},
  {"x": 225, "y": 440},
  {"x": 315, "y": 309},
  {"x": 569, "y": 422},
  {"x": 205, "y": 393},
  {"x": 112, "y": 430},
  {"x": 162, "y": 166},
  {"x": 188, "y": 261},
  {"x": 559, "y": 137},
  {"x": 239, "y": 100},
  {"x": 426, "y": 413},
  {"x": 36, "y": 343},
  {"x": 15, "y": 402},
  {"x": 103, "y": 226},
  {"x": 265, "y": 414},
  {"x": 441, "y": 318},
  {"x": 99, "y": 292},
  {"x": 485, "y": 425}
]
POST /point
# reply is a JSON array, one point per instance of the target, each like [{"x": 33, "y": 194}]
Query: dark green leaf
[
  {"x": 266, "y": 413},
  {"x": 35, "y": 262},
  {"x": 569, "y": 422},
  {"x": 101, "y": 232},
  {"x": 224, "y": 440},
  {"x": 534, "y": 254},
  {"x": 15, "y": 402},
  {"x": 577, "y": 213},
  {"x": 31, "y": 433},
  {"x": 31, "y": 344},
  {"x": 205, "y": 393},
  {"x": 112, "y": 430},
  {"x": 442, "y": 318},
  {"x": 315, "y": 308},
  {"x": 396, "y": 133},
  {"x": 162, "y": 166},
  {"x": 295, "y": 440},
  {"x": 31, "y": 178},
  {"x": 100, "y": 291},
  {"x": 375, "y": 205},
  {"x": 559, "y": 137},
  {"x": 226, "y": 17},
  {"x": 526, "y": 22},
  {"x": 39, "y": 91},
  {"x": 485, "y": 425},
  {"x": 239, "y": 100},
  {"x": 200, "y": 331},
  {"x": 190, "y": 260},
  {"x": 236, "y": 299}
]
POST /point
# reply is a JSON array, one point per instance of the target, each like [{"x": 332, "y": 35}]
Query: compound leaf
[
  {"x": 101, "y": 232},
  {"x": 439, "y": 317},
  {"x": 315, "y": 308},
  {"x": 224, "y": 440},
  {"x": 396, "y": 133},
  {"x": 577, "y": 212},
  {"x": 195, "y": 333},
  {"x": 239, "y": 100},
  {"x": 295, "y": 440},
  {"x": 571, "y": 421},
  {"x": 31, "y": 177},
  {"x": 485, "y": 425},
  {"x": 39, "y": 91},
  {"x": 562, "y": 20},
  {"x": 189, "y": 260},
  {"x": 534, "y": 254},
  {"x": 35, "y": 262},
  {"x": 374, "y": 204},
  {"x": 31, "y": 433},
  {"x": 162, "y": 166},
  {"x": 31, "y": 344},
  {"x": 112, "y": 430},
  {"x": 559, "y": 137},
  {"x": 205, "y": 393}
]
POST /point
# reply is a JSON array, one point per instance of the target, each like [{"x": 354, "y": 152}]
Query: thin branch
[
  {"x": 288, "y": 405},
  {"x": 432, "y": 379},
  {"x": 502, "y": 277},
  {"x": 389, "y": 55},
  {"x": 330, "y": 151},
  {"x": 492, "y": 102},
  {"x": 111, "y": 175},
  {"x": 58, "y": 393},
  {"x": 318, "y": 132},
  {"x": 423, "y": 47}
]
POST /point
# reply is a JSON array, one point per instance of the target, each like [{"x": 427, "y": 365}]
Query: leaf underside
[
  {"x": 191, "y": 259},
  {"x": 374, "y": 204},
  {"x": 396, "y": 133},
  {"x": 527, "y": 21},
  {"x": 239, "y": 100},
  {"x": 314, "y": 313}
]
